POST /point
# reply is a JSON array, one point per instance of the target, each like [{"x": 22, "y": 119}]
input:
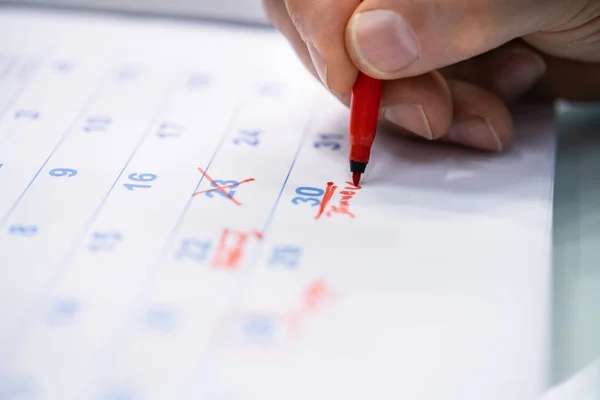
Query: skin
[{"x": 450, "y": 68}]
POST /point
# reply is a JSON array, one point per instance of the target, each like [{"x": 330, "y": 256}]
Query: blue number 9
[{"x": 63, "y": 172}]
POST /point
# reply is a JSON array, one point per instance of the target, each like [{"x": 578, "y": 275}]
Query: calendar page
[{"x": 177, "y": 222}]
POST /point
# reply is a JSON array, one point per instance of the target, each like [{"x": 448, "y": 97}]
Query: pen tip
[{"x": 356, "y": 178}]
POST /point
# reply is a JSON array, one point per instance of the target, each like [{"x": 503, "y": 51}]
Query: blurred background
[{"x": 249, "y": 11}]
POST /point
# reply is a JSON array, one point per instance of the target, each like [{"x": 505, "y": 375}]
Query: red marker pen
[{"x": 364, "y": 113}]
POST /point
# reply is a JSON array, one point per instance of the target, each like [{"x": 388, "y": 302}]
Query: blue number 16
[{"x": 139, "y": 178}]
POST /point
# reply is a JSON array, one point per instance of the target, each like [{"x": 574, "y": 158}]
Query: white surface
[{"x": 438, "y": 288}]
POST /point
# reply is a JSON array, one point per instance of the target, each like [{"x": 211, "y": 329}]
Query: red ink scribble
[
  {"x": 268, "y": 332},
  {"x": 221, "y": 188},
  {"x": 314, "y": 295},
  {"x": 231, "y": 247},
  {"x": 344, "y": 205},
  {"x": 329, "y": 192},
  {"x": 312, "y": 299}
]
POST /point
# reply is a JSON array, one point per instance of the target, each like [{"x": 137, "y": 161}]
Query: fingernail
[
  {"x": 383, "y": 41},
  {"x": 319, "y": 63},
  {"x": 520, "y": 74},
  {"x": 411, "y": 117},
  {"x": 474, "y": 132}
]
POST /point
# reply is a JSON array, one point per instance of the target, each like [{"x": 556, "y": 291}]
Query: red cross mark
[{"x": 221, "y": 186}]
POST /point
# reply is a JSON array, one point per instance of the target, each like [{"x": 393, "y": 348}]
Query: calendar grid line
[
  {"x": 62, "y": 265},
  {"x": 62, "y": 139},
  {"x": 33, "y": 64},
  {"x": 176, "y": 228},
  {"x": 306, "y": 130},
  {"x": 208, "y": 357},
  {"x": 120, "y": 334},
  {"x": 11, "y": 64},
  {"x": 20, "y": 91},
  {"x": 182, "y": 215}
]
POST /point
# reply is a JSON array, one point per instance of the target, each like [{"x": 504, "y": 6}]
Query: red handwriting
[
  {"x": 314, "y": 296},
  {"x": 329, "y": 192},
  {"x": 271, "y": 332},
  {"x": 312, "y": 299},
  {"x": 221, "y": 188},
  {"x": 231, "y": 247},
  {"x": 343, "y": 206}
]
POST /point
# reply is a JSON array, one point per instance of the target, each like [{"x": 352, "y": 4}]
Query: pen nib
[{"x": 356, "y": 178}]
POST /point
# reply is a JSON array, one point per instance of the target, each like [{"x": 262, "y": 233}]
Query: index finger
[{"x": 322, "y": 25}]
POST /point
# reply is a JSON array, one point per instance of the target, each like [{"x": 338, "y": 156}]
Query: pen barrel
[{"x": 364, "y": 115}]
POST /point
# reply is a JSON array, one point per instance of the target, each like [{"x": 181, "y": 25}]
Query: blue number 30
[{"x": 309, "y": 195}]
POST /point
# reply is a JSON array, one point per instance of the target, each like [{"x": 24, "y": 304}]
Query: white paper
[{"x": 117, "y": 282}]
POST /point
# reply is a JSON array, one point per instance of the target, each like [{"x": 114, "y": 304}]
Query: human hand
[{"x": 450, "y": 66}]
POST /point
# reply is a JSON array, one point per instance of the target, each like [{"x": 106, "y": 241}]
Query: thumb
[{"x": 391, "y": 39}]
